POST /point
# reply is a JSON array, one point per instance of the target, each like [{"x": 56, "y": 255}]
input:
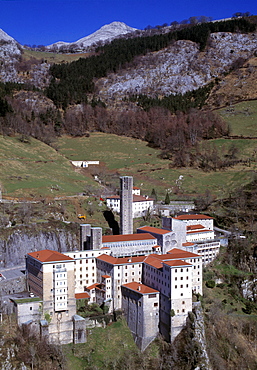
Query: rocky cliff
[{"x": 19, "y": 241}]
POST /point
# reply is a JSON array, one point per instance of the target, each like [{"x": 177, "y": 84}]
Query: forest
[
  {"x": 181, "y": 118},
  {"x": 72, "y": 82}
]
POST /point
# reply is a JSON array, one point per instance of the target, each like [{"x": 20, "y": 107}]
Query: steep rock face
[
  {"x": 179, "y": 68},
  {"x": 25, "y": 240},
  {"x": 10, "y": 52},
  {"x": 199, "y": 338}
]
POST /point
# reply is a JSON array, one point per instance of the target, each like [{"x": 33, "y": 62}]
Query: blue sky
[{"x": 43, "y": 22}]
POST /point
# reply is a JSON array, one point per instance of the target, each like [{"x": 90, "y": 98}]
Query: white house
[{"x": 140, "y": 204}]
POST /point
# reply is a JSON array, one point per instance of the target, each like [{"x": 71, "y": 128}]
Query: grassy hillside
[
  {"x": 242, "y": 118},
  {"x": 33, "y": 168},
  {"x": 133, "y": 157},
  {"x": 53, "y": 57}
]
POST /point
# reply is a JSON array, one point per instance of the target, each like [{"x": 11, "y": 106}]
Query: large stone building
[
  {"x": 141, "y": 308},
  {"x": 194, "y": 233},
  {"x": 166, "y": 239},
  {"x": 141, "y": 274},
  {"x": 50, "y": 276}
]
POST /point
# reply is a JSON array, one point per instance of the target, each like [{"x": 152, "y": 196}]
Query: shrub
[{"x": 210, "y": 284}]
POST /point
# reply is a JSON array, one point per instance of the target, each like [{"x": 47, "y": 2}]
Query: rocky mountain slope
[{"x": 179, "y": 68}]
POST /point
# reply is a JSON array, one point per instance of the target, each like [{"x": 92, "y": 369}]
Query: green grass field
[
  {"x": 28, "y": 169},
  {"x": 53, "y": 57},
  {"x": 242, "y": 118},
  {"x": 133, "y": 157},
  {"x": 105, "y": 347}
]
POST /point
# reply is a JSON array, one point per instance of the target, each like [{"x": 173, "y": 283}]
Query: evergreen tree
[
  {"x": 154, "y": 195},
  {"x": 167, "y": 199}
]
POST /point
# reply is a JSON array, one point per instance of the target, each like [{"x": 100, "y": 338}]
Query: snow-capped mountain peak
[
  {"x": 107, "y": 32},
  {"x": 4, "y": 36}
]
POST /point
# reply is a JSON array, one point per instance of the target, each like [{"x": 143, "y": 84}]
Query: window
[
  {"x": 176, "y": 278},
  {"x": 156, "y": 304},
  {"x": 181, "y": 286},
  {"x": 183, "y": 302},
  {"x": 181, "y": 278},
  {"x": 176, "y": 286},
  {"x": 151, "y": 295},
  {"x": 30, "y": 308}
]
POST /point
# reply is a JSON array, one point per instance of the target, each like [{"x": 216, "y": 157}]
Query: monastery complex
[{"x": 151, "y": 276}]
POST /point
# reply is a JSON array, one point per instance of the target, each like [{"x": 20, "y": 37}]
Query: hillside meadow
[{"x": 32, "y": 168}]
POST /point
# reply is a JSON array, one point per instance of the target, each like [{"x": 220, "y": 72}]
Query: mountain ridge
[{"x": 107, "y": 32}]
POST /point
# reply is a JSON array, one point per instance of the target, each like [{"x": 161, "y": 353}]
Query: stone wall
[{"x": 15, "y": 285}]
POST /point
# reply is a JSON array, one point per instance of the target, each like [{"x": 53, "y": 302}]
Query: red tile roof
[
  {"x": 176, "y": 263},
  {"x": 121, "y": 260},
  {"x": 187, "y": 244},
  {"x": 82, "y": 295},
  {"x": 199, "y": 231},
  {"x": 140, "y": 288},
  {"x": 195, "y": 227},
  {"x": 106, "y": 276},
  {"x": 124, "y": 238},
  {"x": 140, "y": 198},
  {"x": 94, "y": 286},
  {"x": 180, "y": 253},
  {"x": 47, "y": 255},
  {"x": 158, "y": 261},
  {"x": 155, "y": 230},
  {"x": 152, "y": 261},
  {"x": 193, "y": 217}
]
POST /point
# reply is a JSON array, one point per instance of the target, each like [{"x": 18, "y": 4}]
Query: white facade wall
[
  {"x": 197, "y": 273},
  {"x": 199, "y": 235},
  {"x": 139, "y": 208},
  {"x": 206, "y": 222},
  {"x": 84, "y": 164},
  {"x": 120, "y": 274},
  {"x": 85, "y": 267},
  {"x": 131, "y": 247},
  {"x": 175, "y": 286},
  {"x": 208, "y": 250}
]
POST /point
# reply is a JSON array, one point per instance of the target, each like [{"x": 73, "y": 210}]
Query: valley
[{"x": 105, "y": 102}]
